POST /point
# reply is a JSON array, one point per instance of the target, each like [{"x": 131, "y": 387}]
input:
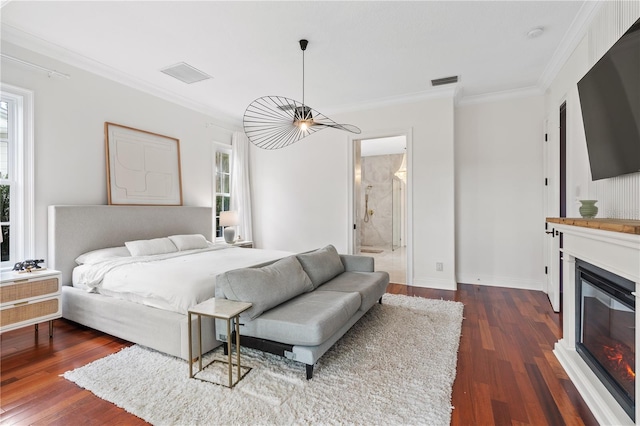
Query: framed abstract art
[{"x": 143, "y": 168}]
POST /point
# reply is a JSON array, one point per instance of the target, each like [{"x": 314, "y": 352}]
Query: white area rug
[{"x": 395, "y": 366}]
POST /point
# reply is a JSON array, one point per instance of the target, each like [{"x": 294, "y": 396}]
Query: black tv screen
[{"x": 610, "y": 100}]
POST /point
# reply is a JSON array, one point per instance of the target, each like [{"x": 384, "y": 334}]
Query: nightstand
[
  {"x": 29, "y": 298},
  {"x": 243, "y": 244}
]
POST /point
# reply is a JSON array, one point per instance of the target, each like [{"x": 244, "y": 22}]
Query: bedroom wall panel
[
  {"x": 69, "y": 134},
  {"x": 299, "y": 194},
  {"x": 499, "y": 193}
]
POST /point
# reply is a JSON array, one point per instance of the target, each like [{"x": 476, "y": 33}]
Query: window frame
[
  {"x": 228, "y": 150},
  {"x": 21, "y": 157}
]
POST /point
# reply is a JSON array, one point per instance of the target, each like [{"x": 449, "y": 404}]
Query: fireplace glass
[{"x": 605, "y": 335}]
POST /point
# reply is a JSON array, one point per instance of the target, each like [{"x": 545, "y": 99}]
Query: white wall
[
  {"x": 617, "y": 197},
  {"x": 564, "y": 89},
  {"x": 302, "y": 195},
  {"x": 69, "y": 115},
  {"x": 499, "y": 193}
]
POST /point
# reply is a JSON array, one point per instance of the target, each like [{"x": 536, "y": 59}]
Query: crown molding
[
  {"x": 449, "y": 91},
  {"x": 43, "y": 47},
  {"x": 524, "y": 92},
  {"x": 574, "y": 35}
]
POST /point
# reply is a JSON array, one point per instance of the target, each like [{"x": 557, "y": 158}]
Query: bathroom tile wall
[{"x": 378, "y": 172}]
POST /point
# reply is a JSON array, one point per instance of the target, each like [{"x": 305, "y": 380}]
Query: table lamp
[{"x": 228, "y": 220}]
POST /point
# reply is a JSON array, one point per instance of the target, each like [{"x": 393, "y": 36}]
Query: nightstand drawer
[
  {"x": 28, "y": 290},
  {"x": 29, "y": 311}
]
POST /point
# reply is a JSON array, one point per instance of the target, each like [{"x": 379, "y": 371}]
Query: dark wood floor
[{"x": 506, "y": 374}]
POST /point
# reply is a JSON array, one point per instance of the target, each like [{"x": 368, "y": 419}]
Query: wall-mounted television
[{"x": 610, "y": 100}]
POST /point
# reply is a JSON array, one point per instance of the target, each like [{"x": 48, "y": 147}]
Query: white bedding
[{"x": 172, "y": 281}]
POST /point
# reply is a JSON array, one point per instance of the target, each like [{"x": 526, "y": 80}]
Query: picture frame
[{"x": 143, "y": 168}]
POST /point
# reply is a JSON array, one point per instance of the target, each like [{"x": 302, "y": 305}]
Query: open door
[
  {"x": 357, "y": 184},
  {"x": 551, "y": 209},
  {"x": 555, "y": 202}
]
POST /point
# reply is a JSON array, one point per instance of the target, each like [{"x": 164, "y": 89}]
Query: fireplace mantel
[
  {"x": 613, "y": 245},
  {"x": 625, "y": 226}
]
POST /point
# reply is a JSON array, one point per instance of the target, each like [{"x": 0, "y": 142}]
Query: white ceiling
[{"x": 360, "y": 53}]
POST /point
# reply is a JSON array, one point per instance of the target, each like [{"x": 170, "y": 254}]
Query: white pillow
[
  {"x": 151, "y": 247},
  {"x": 189, "y": 242},
  {"x": 95, "y": 256}
]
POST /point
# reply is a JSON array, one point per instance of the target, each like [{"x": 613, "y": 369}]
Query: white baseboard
[
  {"x": 437, "y": 283},
  {"x": 496, "y": 281}
]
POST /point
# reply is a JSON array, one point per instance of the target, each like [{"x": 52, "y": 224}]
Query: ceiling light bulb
[{"x": 304, "y": 125}]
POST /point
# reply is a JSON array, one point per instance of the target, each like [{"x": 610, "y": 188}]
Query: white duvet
[{"x": 173, "y": 281}]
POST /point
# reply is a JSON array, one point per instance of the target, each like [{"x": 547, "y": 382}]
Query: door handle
[{"x": 552, "y": 232}]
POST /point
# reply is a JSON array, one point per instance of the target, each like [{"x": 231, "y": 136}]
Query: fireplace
[
  {"x": 605, "y": 330},
  {"x": 611, "y": 245}
]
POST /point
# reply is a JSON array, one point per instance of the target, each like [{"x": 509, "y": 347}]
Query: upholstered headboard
[{"x": 74, "y": 230}]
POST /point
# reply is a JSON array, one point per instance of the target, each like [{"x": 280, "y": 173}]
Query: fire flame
[{"x": 616, "y": 356}]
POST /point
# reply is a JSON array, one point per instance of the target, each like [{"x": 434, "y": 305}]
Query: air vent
[
  {"x": 445, "y": 80},
  {"x": 185, "y": 73}
]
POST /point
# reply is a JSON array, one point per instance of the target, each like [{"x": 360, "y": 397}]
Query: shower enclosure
[
  {"x": 381, "y": 217},
  {"x": 380, "y": 199},
  {"x": 396, "y": 213}
]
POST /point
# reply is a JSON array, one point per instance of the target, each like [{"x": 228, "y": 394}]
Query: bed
[{"x": 76, "y": 230}]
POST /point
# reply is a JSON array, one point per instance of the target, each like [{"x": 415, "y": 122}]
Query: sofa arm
[{"x": 355, "y": 263}]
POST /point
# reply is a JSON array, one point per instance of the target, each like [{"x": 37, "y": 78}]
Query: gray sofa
[{"x": 302, "y": 304}]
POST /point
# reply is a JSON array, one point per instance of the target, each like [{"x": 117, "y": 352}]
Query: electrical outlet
[{"x": 438, "y": 266}]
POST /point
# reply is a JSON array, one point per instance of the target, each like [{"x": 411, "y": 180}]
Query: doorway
[
  {"x": 555, "y": 202},
  {"x": 563, "y": 196},
  {"x": 380, "y": 203}
]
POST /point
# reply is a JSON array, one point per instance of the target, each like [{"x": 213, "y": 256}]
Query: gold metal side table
[{"x": 228, "y": 310}]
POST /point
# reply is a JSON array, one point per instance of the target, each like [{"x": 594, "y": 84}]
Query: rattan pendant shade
[{"x": 273, "y": 122}]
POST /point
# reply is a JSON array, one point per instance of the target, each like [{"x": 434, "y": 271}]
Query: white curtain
[{"x": 240, "y": 185}]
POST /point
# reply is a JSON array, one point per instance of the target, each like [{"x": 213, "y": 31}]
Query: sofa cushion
[
  {"x": 357, "y": 263},
  {"x": 307, "y": 320},
  {"x": 370, "y": 285},
  {"x": 265, "y": 287},
  {"x": 321, "y": 265}
]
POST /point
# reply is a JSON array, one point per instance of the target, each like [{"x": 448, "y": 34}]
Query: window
[
  {"x": 222, "y": 183},
  {"x": 6, "y": 182},
  {"x": 16, "y": 175}
]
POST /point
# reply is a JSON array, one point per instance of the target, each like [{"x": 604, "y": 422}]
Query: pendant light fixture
[{"x": 273, "y": 122}]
